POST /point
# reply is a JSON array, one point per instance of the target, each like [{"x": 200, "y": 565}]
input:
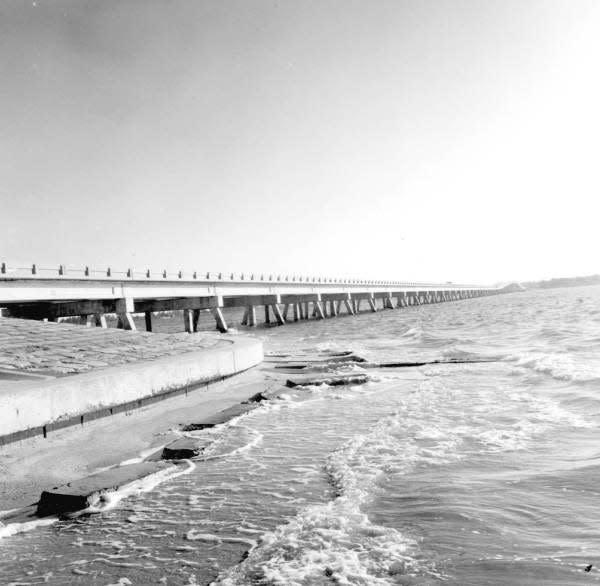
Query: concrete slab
[
  {"x": 81, "y": 494},
  {"x": 334, "y": 380},
  {"x": 328, "y": 359},
  {"x": 222, "y": 416},
  {"x": 184, "y": 448}
]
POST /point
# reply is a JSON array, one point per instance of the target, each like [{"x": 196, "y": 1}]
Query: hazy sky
[{"x": 417, "y": 139}]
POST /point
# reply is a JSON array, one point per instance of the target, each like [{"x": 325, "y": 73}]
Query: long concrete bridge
[{"x": 34, "y": 292}]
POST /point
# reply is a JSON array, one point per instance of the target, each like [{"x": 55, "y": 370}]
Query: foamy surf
[
  {"x": 11, "y": 529},
  {"x": 336, "y": 542},
  {"x": 106, "y": 502},
  {"x": 560, "y": 366},
  {"x": 110, "y": 500}
]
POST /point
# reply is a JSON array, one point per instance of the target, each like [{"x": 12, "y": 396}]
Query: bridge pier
[
  {"x": 349, "y": 306},
  {"x": 277, "y": 313},
  {"x": 86, "y": 320},
  {"x": 124, "y": 308},
  {"x": 100, "y": 320},
  {"x": 221, "y": 323},
  {"x": 188, "y": 321}
]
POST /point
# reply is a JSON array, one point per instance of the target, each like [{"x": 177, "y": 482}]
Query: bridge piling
[
  {"x": 278, "y": 315},
  {"x": 221, "y": 323},
  {"x": 188, "y": 321}
]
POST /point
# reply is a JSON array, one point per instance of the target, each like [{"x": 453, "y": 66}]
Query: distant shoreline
[{"x": 563, "y": 282}]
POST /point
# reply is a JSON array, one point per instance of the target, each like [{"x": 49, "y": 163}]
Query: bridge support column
[
  {"x": 267, "y": 316},
  {"x": 349, "y": 306},
  {"x": 306, "y": 308},
  {"x": 372, "y": 304},
  {"x": 296, "y": 311},
  {"x": 218, "y": 315},
  {"x": 124, "y": 308},
  {"x": 188, "y": 321},
  {"x": 277, "y": 313},
  {"x": 86, "y": 320},
  {"x": 148, "y": 320},
  {"x": 125, "y": 321},
  {"x": 286, "y": 308},
  {"x": 333, "y": 308},
  {"x": 251, "y": 320},
  {"x": 100, "y": 320},
  {"x": 319, "y": 310}
]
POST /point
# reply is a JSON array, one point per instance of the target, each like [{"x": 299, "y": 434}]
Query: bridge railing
[{"x": 35, "y": 271}]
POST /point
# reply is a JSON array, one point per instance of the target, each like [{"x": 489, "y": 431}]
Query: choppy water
[{"x": 485, "y": 473}]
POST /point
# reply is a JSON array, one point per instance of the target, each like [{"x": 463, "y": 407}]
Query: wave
[
  {"x": 336, "y": 542},
  {"x": 559, "y": 366}
]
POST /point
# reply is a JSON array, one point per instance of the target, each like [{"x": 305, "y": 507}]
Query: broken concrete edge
[
  {"x": 220, "y": 417},
  {"x": 39, "y": 407},
  {"x": 332, "y": 381},
  {"x": 311, "y": 360},
  {"x": 226, "y": 415},
  {"x": 92, "y": 493}
]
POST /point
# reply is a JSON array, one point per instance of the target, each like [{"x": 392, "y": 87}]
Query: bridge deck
[{"x": 38, "y": 293}]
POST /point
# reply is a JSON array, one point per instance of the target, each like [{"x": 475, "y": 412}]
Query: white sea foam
[
  {"x": 414, "y": 333},
  {"x": 11, "y": 529},
  {"x": 559, "y": 366},
  {"x": 110, "y": 500},
  {"x": 337, "y": 542}
]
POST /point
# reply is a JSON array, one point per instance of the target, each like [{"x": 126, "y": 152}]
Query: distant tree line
[{"x": 564, "y": 282}]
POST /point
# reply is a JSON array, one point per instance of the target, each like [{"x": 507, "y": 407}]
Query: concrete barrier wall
[{"x": 34, "y": 407}]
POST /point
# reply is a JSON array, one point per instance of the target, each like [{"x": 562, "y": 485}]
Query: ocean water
[{"x": 471, "y": 473}]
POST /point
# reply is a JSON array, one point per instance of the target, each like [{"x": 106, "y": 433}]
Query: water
[{"x": 484, "y": 473}]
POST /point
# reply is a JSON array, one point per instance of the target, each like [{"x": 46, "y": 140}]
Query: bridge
[{"x": 35, "y": 292}]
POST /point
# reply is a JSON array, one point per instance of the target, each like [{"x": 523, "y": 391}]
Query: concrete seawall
[{"x": 37, "y": 407}]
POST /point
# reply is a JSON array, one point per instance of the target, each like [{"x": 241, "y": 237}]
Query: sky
[{"x": 430, "y": 140}]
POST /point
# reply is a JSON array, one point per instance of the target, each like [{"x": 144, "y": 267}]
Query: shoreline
[
  {"x": 75, "y": 401},
  {"x": 30, "y": 466}
]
